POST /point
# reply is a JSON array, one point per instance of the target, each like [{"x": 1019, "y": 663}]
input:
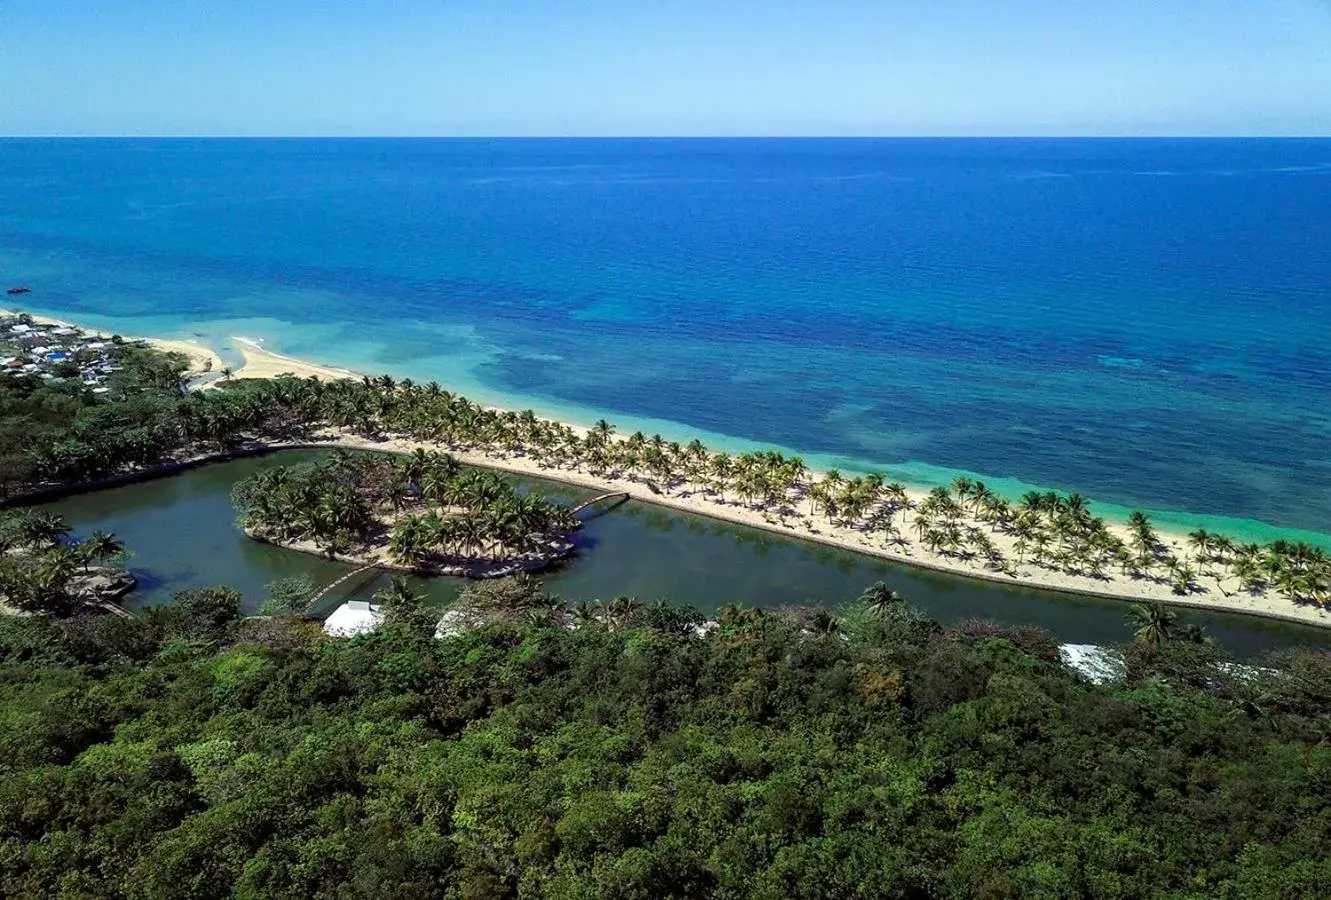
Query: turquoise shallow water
[{"x": 1141, "y": 321}]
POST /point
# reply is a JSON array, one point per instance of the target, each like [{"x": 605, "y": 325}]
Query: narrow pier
[
  {"x": 343, "y": 580},
  {"x": 617, "y": 496},
  {"x": 112, "y": 607}
]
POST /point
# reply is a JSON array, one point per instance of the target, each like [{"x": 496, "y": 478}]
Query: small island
[
  {"x": 423, "y": 512},
  {"x": 42, "y": 571}
]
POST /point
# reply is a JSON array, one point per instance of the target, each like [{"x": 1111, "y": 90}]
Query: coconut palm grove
[
  {"x": 424, "y": 512},
  {"x": 521, "y": 744}
]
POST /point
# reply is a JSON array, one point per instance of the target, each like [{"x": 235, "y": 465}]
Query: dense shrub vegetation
[
  {"x": 192, "y": 754},
  {"x": 59, "y": 430}
]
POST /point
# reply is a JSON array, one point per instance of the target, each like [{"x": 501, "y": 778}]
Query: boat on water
[{"x": 19, "y": 290}]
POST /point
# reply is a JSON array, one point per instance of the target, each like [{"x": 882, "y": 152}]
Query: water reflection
[{"x": 183, "y": 532}]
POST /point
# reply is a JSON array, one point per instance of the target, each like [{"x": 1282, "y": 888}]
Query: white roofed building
[{"x": 352, "y": 618}]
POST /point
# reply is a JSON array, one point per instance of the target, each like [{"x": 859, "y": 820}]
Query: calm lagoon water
[
  {"x": 183, "y": 533},
  {"x": 1143, "y": 321}
]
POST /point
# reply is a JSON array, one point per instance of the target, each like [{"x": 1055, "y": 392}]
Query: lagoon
[{"x": 182, "y": 529}]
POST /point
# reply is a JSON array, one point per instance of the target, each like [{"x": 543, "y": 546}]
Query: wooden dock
[
  {"x": 343, "y": 580},
  {"x": 617, "y": 496}
]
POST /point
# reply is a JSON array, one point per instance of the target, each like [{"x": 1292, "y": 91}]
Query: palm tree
[
  {"x": 1184, "y": 576},
  {"x": 721, "y": 470},
  {"x": 408, "y": 541},
  {"x": 414, "y": 465},
  {"x": 1195, "y": 634},
  {"x": 1154, "y": 622},
  {"x": 963, "y": 487},
  {"x": 40, "y": 528},
  {"x": 583, "y": 615},
  {"x": 539, "y": 617},
  {"x": 736, "y": 618},
  {"x": 1249, "y": 572},
  {"x": 398, "y": 600},
  {"x": 100, "y": 545},
  {"x": 55, "y": 568},
  {"x": 1201, "y": 542},
  {"x": 623, "y": 611},
  {"x": 878, "y": 599},
  {"x": 823, "y": 623},
  {"x": 397, "y": 592},
  {"x": 1020, "y": 547}
]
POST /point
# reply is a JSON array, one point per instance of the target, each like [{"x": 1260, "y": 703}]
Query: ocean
[{"x": 1143, "y": 321}]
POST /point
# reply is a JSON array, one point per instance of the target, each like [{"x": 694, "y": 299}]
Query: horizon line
[{"x": 674, "y": 137}]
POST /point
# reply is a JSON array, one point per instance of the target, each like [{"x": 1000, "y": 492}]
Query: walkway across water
[
  {"x": 618, "y": 496},
  {"x": 314, "y": 601}
]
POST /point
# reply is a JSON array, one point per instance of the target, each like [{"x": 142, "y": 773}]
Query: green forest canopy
[{"x": 194, "y": 754}]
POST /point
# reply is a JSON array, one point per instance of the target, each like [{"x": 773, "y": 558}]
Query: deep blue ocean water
[{"x": 1146, "y": 322}]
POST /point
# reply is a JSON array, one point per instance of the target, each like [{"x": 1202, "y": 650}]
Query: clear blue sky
[{"x": 669, "y": 67}]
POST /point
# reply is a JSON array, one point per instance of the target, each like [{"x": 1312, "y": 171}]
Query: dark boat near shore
[{"x": 19, "y": 290}]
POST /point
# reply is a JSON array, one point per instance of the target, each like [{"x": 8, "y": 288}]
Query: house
[{"x": 352, "y": 618}]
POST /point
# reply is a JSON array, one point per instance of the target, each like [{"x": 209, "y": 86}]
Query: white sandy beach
[{"x": 261, "y": 363}]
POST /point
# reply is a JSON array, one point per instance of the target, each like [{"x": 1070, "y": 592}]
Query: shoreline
[
  {"x": 1306, "y": 616},
  {"x": 204, "y": 360},
  {"x": 1263, "y": 607},
  {"x": 916, "y": 476},
  {"x": 690, "y": 498},
  {"x": 261, "y": 363},
  {"x": 377, "y": 557}
]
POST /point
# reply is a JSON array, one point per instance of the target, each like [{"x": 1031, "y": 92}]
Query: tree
[
  {"x": 879, "y": 599},
  {"x": 1153, "y": 621},
  {"x": 288, "y": 596},
  {"x": 622, "y": 611},
  {"x": 583, "y": 615},
  {"x": 402, "y": 604},
  {"x": 200, "y": 613},
  {"x": 409, "y": 541},
  {"x": 39, "y": 529},
  {"x": 102, "y": 545}
]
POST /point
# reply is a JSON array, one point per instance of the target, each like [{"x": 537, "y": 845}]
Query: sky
[{"x": 668, "y": 67}]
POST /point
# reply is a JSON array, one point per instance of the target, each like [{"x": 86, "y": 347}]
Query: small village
[{"x": 55, "y": 351}]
